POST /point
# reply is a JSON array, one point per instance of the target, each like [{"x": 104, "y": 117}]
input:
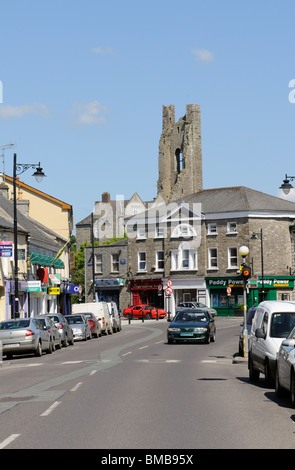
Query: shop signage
[
  {"x": 6, "y": 249},
  {"x": 53, "y": 290},
  {"x": 272, "y": 283},
  {"x": 27, "y": 286},
  {"x": 109, "y": 282}
]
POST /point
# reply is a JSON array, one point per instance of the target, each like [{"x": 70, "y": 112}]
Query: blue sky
[{"x": 84, "y": 82}]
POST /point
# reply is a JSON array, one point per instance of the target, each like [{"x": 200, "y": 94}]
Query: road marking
[
  {"x": 8, "y": 441},
  {"x": 93, "y": 372},
  {"x": 71, "y": 362},
  {"x": 126, "y": 353},
  {"x": 143, "y": 347},
  {"x": 51, "y": 408},
  {"x": 74, "y": 389}
]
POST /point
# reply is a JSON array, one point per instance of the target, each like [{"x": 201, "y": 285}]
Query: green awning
[{"x": 45, "y": 260}]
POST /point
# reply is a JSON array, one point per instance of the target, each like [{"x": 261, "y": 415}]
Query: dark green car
[{"x": 192, "y": 325}]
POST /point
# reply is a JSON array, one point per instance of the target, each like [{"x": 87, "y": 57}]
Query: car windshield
[
  {"x": 11, "y": 325},
  {"x": 282, "y": 323},
  {"x": 75, "y": 319},
  {"x": 55, "y": 318},
  {"x": 191, "y": 316},
  {"x": 250, "y": 316}
]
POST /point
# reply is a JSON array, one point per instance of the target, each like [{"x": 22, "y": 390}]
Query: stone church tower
[{"x": 180, "y": 154}]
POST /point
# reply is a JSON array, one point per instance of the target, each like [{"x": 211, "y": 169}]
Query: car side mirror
[{"x": 259, "y": 333}]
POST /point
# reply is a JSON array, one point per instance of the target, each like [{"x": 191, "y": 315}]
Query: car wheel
[
  {"x": 65, "y": 342},
  {"x": 38, "y": 351},
  {"x": 49, "y": 350},
  {"x": 213, "y": 337},
  {"x": 278, "y": 388},
  {"x": 71, "y": 343},
  {"x": 292, "y": 389},
  {"x": 170, "y": 341},
  {"x": 267, "y": 372},
  {"x": 253, "y": 373},
  {"x": 59, "y": 344}
]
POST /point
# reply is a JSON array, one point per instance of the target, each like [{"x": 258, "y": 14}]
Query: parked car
[
  {"x": 100, "y": 310},
  {"x": 115, "y": 316},
  {"x": 52, "y": 330},
  {"x": 185, "y": 305},
  {"x": 24, "y": 335},
  {"x": 148, "y": 311},
  {"x": 272, "y": 323},
  {"x": 65, "y": 331},
  {"x": 285, "y": 371},
  {"x": 249, "y": 318},
  {"x": 80, "y": 326},
  {"x": 192, "y": 325},
  {"x": 94, "y": 324}
]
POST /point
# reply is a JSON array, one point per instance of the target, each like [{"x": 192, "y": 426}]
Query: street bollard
[{"x": 157, "y": 314}]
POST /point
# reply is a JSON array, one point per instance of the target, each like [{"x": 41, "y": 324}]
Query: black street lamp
[
  {"x": 286, "y": 186},
  {"x": 39, "y": 175}
]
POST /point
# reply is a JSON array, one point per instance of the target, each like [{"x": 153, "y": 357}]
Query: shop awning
[{"x": 45, "y": 260}]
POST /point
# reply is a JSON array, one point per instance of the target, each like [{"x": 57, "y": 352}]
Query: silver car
[
  {"x": 285, "y": 369},
  {"x": 24, "y": 335},
  {"x": 65, "y": 331},
  {"x": 52, "y": 330},
  {"x": 80, "y": 326}
]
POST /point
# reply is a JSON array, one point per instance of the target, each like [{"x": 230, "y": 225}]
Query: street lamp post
[
  {"x": 254, "y": 237},
  {"x": 39, "y": 175},
  {"x": 244, "y": 251}
]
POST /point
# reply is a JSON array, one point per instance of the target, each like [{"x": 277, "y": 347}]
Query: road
[{"x": 132, "y": 390}]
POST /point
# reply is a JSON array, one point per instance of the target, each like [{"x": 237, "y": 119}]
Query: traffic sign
[
  {"x": 169, "y": 283},
  {"x": 228, "y": 290},
  {"x": 80, "y": 289},
  {"x": 168, "y": 290}
]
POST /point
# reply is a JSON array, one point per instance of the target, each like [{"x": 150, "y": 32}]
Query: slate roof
[{"x": 25, "y": 224}]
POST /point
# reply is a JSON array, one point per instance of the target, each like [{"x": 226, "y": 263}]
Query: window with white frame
[
  {"x": 160, "y": 260},
  {"x": 212, "y": 258},
  {"x": 183, "y": 231},
  {"x": 184, "y": 259},
  {"x": 159, "y": 232},
  {"x": 142, "y": 261},
  {"x": 212, "y": 228},
  {"x": 115, "y": 262},
  {"x": 98, "y": 263},
  {"x": 141, "y": 233},
  {"x": 232, "y": 227},
  {"x": 232, "y": 258}
]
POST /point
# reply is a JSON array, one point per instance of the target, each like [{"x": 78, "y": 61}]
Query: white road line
[
  {"x": 143, "y": 347},
  {"x": 8, "y": 441},
  {"x": 71, "y": 362},
  {"x": 51, "y": 408},
  {"x": 74, "y": 389},
  {"x": 126, "y": 353},
  {"x": 93, "y": 372}
]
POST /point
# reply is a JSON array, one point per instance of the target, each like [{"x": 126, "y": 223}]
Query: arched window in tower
[{"x": 180, "y": 161}]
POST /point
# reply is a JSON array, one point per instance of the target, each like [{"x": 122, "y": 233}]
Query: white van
[
  {"x": 115, "y": 316},
  {"x": 272, "y": 322},
  {"x": 101, "y": 312}
]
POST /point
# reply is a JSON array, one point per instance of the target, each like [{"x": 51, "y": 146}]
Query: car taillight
[
  {"x": 59, "y": 326},
  {"x": 29, "y": 333},
  {"x": 91, "y": 322},
  {"x": 102, "y": 319}
]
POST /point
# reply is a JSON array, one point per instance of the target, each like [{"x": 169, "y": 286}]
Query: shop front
[
  {"x": 227, "y": 302},
  {"x": 146, "y": 291},
  {"x": 108, "y": 290},
  {"x": 184, "y": 290},
  {"x": 230, "y": 301}
]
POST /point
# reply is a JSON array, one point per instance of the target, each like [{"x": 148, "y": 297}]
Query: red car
[{"x": 136, "y": 311}]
